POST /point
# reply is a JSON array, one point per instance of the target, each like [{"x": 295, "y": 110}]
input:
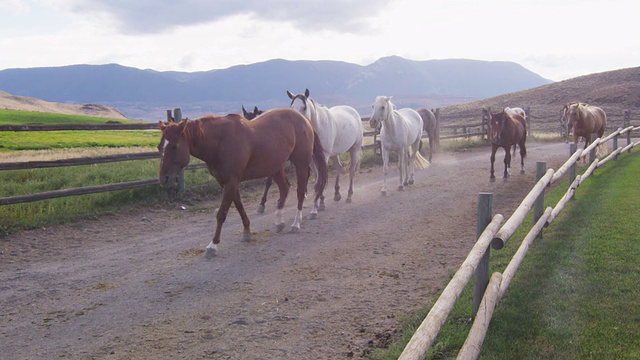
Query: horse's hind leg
[
  {"x": 492, "y": 177},
  {"x": 402, "y": 167},
  {"x": 267, "y": 185},
  {"x": 337, "y": 165},
  {"x": 246, "y": 232},
  {"x": 385, "y": 170},
  {"x": 281, "y": 180},
  {"x": 302, "y": 176}
]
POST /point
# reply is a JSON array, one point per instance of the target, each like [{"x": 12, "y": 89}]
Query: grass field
[{"x": 576, "y": 294}]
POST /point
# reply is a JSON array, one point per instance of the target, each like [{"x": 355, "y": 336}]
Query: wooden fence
[
  {"x": 494, "y": 232},
  {"x": 451, "y": 131}
]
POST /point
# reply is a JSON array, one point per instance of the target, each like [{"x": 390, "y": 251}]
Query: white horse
[
  {"x": 340, "y": 130},
  {"x": 400, "y": 131}
]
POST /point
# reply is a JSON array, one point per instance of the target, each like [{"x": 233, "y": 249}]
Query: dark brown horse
[
  {"x": 429, "y": 124},
  {"x": 586, "y": 120},
  {"x": 507, "y": 130},
  {"x": 236, "y": 149}
]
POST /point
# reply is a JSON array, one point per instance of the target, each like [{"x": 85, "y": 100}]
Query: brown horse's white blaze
[
  {"x": 505, "y": 131},
  {"x": 236, "y": 149},
  {"x": 586, "y": 120}
]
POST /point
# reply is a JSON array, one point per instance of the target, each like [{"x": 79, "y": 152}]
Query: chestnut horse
[
  {"x": 585, "y": 120},
  {"x": 236, "y": 149},
  {"x": 507, "y": 130}
]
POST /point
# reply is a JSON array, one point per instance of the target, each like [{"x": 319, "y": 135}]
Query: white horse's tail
[
  {"x": 420, "y": 161},
  {"x": 602, "y": 150}
]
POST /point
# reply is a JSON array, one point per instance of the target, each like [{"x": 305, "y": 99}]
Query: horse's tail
[
  {"x": 321, "y": 166},
  {"x": 420, "y": 161}
]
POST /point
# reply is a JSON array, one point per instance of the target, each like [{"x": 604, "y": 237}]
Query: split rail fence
[{"x": 495, "y": 232}]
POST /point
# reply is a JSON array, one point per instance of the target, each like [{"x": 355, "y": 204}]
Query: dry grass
[{"x": 71, "y": 153}]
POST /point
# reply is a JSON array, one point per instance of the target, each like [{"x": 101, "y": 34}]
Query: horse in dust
[
  {"x": 586, "y": 120},
  {"x": 430, "y": 124},
  {"x": 400, "y": 131},
  {"x": 507, "y": 130},
  {"x": 516, "y": 111},
  {"x": 236, "y": 149},
  {"x": 340, "y": 131}
]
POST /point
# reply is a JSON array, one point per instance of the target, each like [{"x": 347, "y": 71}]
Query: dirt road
[{"x": 136, "y": 285}]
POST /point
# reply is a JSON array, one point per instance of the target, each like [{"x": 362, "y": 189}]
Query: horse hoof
[
  {"x": 521, "y": 171},
  {"x": 348, "y": 201},
  {"x": 295, "y": 229},
  {"x": 492, "y": 179},
  {"x": 210, "y": 252},
  {"x": 405, "y": 184},
  {"x": 279, "y": 227},
  {"x": 383, "y": 193},
  {"x": 400, "y": 188},
  {"x": 313, "y": 216},
  {"x": 246, "y": 237},
  {"x": 260, "y": 209},
  {"x": 337, "y": 197},
  {"x": 410, "y": 182},
  {"x": 321, "y": 207}
]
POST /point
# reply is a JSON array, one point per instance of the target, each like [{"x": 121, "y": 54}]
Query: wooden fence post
[
  {"x": 177, "y": 117},
  {"x": 627, "y": 122},
  {"x": 592, "y": 153},
  {"x": 437, "y": 132},
  {"x": 485, "y": 201},
  {"x": 538, "y": 206}
]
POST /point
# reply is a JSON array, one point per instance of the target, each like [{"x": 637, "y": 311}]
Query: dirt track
[{"x": 137, "y": 286}]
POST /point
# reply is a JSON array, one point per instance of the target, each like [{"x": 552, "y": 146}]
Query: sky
[{"x": 554, "y": 38}]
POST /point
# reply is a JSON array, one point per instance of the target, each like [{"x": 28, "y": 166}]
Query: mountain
[{"x": 146, "y": 94}]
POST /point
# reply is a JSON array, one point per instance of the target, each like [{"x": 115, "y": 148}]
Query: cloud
[{"x": 152, "y": 16}]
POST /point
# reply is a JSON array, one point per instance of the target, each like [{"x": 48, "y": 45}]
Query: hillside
[
  {"x": 614, "y": 91},
  {"x": 12, "y": 102}
]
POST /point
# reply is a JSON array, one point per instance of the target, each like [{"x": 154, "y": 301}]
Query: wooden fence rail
[
  {"x": 497, "y": 234},
  {"x": 483, "y": 125}
]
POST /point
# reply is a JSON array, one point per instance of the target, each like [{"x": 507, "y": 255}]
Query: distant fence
[
  {"x": 471, "y": 128},
  {"x": 494, "y": 232}
]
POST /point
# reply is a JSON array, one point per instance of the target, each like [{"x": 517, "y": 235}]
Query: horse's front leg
[
  {"x": 402, "y": 167},
  {"x": 385, "y": 170},
  {"x": 523, "y": 152},
  {"x": 492, "y": 177},
  {"x": 283, "y": 186},
  {"x": 337, "y": 166},
  {"x": 354, "y": 159},
  {"x": 507, "y": 163},
  {"x": 228, "y": 195}
]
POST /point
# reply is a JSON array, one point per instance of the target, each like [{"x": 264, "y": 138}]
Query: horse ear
[
  {"x": 290, "y": 95},
  {"x": 255, "y": 109},
  {"x": 183, "y": 125},
  {"x": 306, "y": 92},
  {"x": 162, "y": 126}
]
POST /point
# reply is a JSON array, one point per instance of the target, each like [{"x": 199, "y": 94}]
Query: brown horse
[
  {"x": 236, "y": 149},
  {"x": 429, "y": 124},
  {"x": 586, "y": 120},
  {"x": 507, "y": 130}
]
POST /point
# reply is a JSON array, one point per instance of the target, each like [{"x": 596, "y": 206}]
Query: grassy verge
[{"x": 575, "y": 295}]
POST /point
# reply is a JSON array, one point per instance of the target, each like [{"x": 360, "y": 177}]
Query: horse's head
[
  {"x": 496, "y": 125},
  {"x": 574, "y": 113},
  {"x": 174, "y": 152},
  {"x": 251, "y": 115},
  {"x": 301, "y": 103},
  {"x": 382, "y": 108}
]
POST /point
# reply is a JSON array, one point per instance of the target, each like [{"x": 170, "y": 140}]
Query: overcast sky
[{"x": 553, "y": 38}]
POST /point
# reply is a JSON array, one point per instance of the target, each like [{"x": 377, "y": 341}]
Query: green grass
[{"x": 576, "y": 294}]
